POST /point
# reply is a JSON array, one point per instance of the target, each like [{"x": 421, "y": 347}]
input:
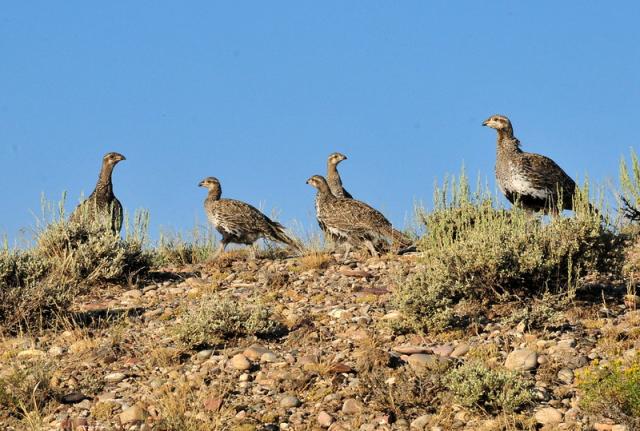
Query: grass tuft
[{"x": 216, "y": 319}]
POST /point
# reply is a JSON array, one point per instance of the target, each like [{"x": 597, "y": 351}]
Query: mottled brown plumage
[
  {"x": 239, "y": 222},
  {"x": 102, "y": 202},
  {"x": 333, "y": 177},
  {"x": 532, "y": 180},
  {"x": 353, "y": 221}
]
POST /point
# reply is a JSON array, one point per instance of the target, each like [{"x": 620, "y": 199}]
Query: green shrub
[
  {"x": 612, "y": 390},
  {"x": 473, "y": 384},
  {"x": 90, "y": 253},
  {"x": 68, "y": 258},
  {"x": 425, "y": 306},
  {"x": 474, "y": 249},
  {"x": 216, "y": 319},
  {"x": 20, "y": 268}
]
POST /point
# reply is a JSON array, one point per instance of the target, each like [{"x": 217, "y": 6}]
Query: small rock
[
  {"x": 421, "y": 422},
  {"x": 565, "y": 375},
  {"x": 548, "y": 415},
  {"x": 72, "y": 397},
  {"x": 289, "y": 402},
  {"x": 351, "y": 407},
  {"x": 324, "y": 419},
  {"x": 602, "y": 427},
  {"x": 135, "y": 413},
  {"x": 203, "y": 355},
  {"x": 240, "y": 362},
  {"x": 421, "y": 362},
  {"x": 443, "y": 350},
  {"x": 213, "y": 404},
  {"x": 410, "y": 349},
  {"x": 392, "y": 315},
  {"x": 568, "y": 343},
  {"x": 460, "y": 350},
  {"x": 521, "y": 360},
  {"x": 620, "y": 428},
  {"x": 115, "y": 377},
  {"x": 268, "y": 357},
  {"x": 255, "y": 351}
]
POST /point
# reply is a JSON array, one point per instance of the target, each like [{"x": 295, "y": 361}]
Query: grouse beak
[
  {"x": 201, "y": 184},
  {"x": 485, "y": 122}
]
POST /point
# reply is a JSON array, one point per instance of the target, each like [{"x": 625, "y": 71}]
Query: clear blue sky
[{"x": 259, "y": 93}]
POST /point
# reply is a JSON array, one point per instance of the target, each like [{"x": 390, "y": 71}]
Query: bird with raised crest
[
  {"x": 239, "y": 222},
  {"x": 531, "y": 180},
  {"x": 355, "y": 222},
  {"x": 102, "y": 202}
]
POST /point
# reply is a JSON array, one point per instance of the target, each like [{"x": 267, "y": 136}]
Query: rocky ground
[{"x": 118, "y": 364}]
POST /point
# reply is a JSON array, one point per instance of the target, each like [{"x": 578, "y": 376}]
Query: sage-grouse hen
[
  {"x": 354, "y": 222},
  {"x": 532, "y": 180},
  {"x": 239, "y": 222},
  {"x": 102, "y": 202},
  {"x": 333, "y": 177}
]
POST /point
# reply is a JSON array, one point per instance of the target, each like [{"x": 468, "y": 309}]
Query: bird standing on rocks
[
  {"x": 354, "y": 222},
  {"x": 102, "y": 202},
  {"x": 239, "y": 222},
  {"x": 333, "y": 177},
  {"x": 534, "y": 181}
]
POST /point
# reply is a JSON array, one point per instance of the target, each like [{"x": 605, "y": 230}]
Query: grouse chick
[
  {"x": 354, "y": 222},
  {"x": 239, "y": 222},
  {"x": 534, "y": 181},
  {"x": 333, "y": 177},
  {"x": 102, "y": 202}
]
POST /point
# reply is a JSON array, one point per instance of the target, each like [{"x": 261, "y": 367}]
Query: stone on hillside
[
  {"x": 521, "y": 360},
  {"x": 351, "y": 407},
  {"x": 548, "y": 416},
  {"x": 135, "y": 413},
  {"x": 324, "y": 419},
  {"x": 240, "y": 362},
  {"x": 289, "y": 402}
]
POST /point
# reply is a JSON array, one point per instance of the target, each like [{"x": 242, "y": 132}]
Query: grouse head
[
  {"x": 210, "y": 183},
  {"x": 318, "y": 182},
  {"x": 112, "y": 158},
  {"x": 336, "y": 158},
  {"x": 498, "y": 122}
]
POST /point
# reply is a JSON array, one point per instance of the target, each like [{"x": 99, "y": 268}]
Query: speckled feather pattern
[
  {"x": 101, "y": 201},
  {"x": 354, "y": 221}
]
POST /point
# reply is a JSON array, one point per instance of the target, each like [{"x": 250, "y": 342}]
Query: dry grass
[
  {"x": 25, "y": 391},
  {"x": 314, "y": 260}
]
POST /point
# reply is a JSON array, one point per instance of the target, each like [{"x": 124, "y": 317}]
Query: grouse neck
[
  {"x": 214, "y": 194},
  {"x": 104, "y": 186},
  {"x": 507, "y": 143},
  {"x": 332, "y": 170}
]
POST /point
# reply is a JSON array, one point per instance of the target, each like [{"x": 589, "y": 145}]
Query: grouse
[
  {"x": 333, "y": 177},
  {"x": 102, "y": 202},
  {"x": 239, "y": 222},
  {"x": 534, "y": 181},
  {"x": 354, "y": 222}
]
